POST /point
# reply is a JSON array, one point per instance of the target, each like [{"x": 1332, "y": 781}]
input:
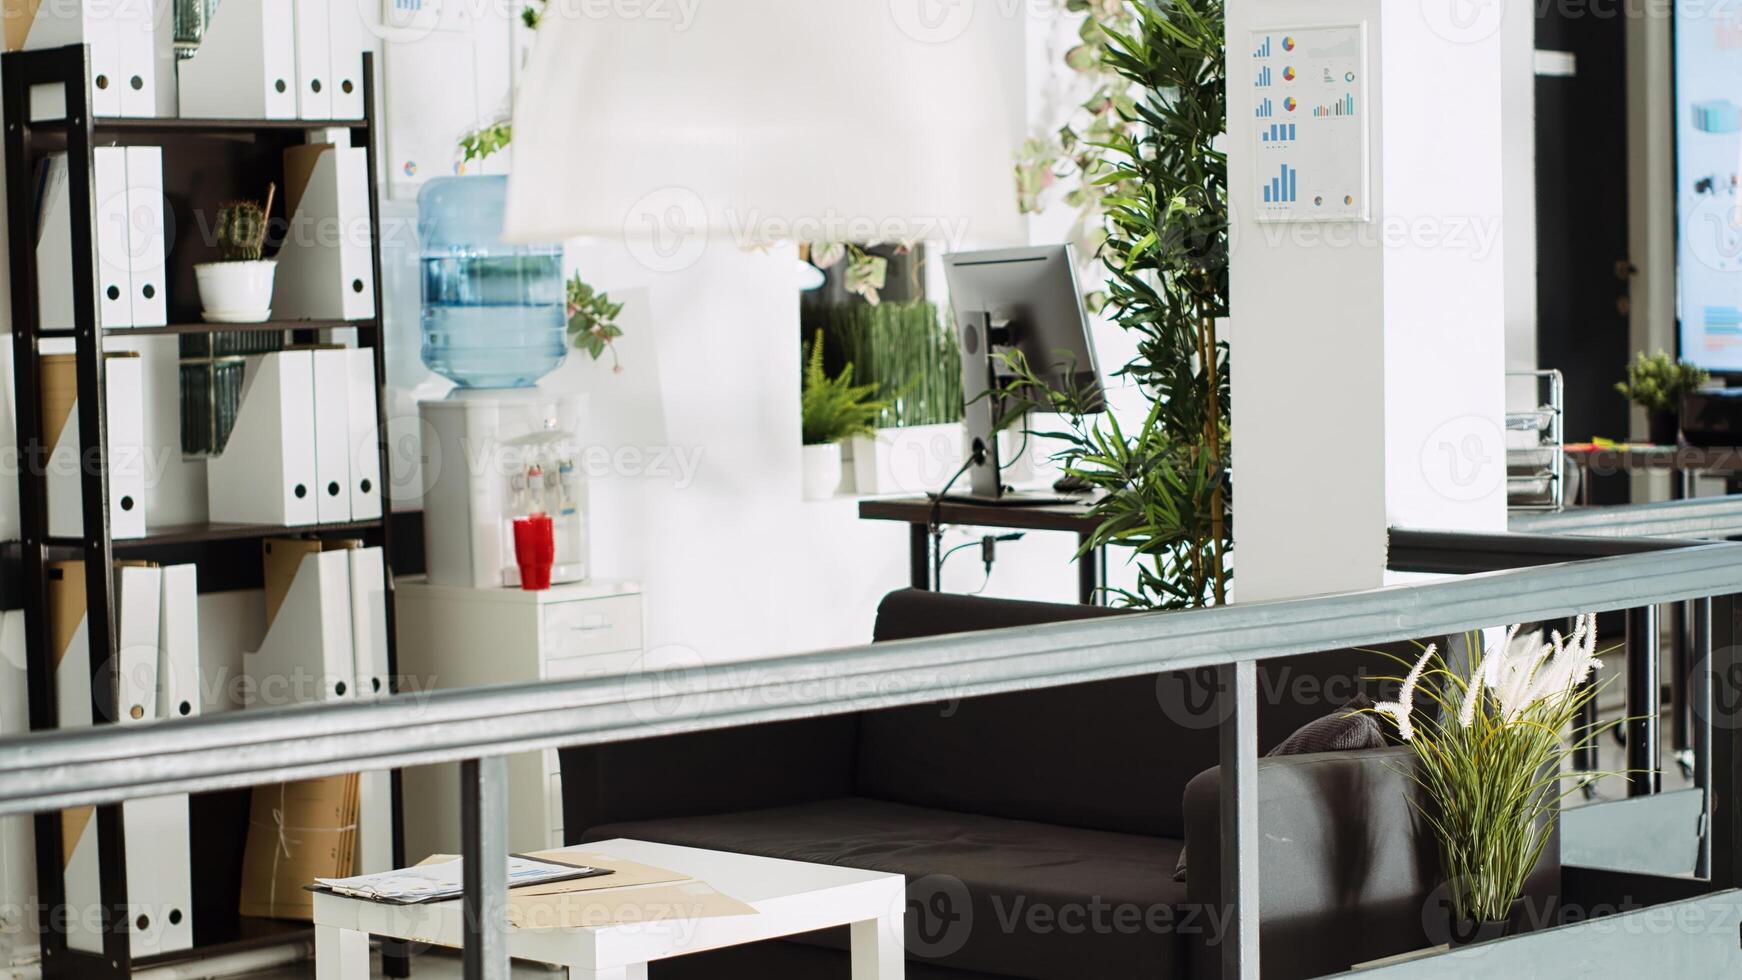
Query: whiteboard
[{"x": 1311, "y": 131}]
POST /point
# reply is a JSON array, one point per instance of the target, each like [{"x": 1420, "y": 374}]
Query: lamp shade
[{"x": 758, "y": 121}]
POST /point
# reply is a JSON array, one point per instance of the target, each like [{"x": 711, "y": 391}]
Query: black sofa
[{"x": 1039, "y": 830}]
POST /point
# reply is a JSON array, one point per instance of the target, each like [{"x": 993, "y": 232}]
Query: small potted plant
[
  {"x": 834, "y": 410},
  {"x": 1491, "y": 737},
  {"x": 238, "y": 287},
  {"x": 1657, "y": 383}
]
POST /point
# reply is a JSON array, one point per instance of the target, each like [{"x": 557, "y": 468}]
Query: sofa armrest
[
  {"x": 1345, "y": 863},
  {"x": 704, "y": 773}
]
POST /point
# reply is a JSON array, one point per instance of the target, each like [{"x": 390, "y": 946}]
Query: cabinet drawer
[{"x": 573, "y": 629}]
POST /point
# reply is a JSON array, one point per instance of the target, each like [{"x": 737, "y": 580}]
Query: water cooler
[
  {"x": 494, "y": 323},
  {"x": 497, "y": 455}
]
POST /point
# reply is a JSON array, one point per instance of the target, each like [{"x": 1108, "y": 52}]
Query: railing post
[
  {"x": 1239, "y": 761},
  {"x": 1697, "y": 683},
  {"x": 484, "y": 847},
  {"x": 1722, "y": 721},
  {"x": 1644, "y": 703}
]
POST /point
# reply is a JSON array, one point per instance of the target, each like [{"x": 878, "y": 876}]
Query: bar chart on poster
[{"x": 1311, "y": 140}]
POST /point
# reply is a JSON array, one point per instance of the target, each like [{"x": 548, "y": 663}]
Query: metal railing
[{"x": 478, "y": 727}]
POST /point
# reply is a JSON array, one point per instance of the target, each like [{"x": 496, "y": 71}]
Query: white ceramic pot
[
  {"x": 236, "y": 292},
  {"x": 822, "y": 471}
]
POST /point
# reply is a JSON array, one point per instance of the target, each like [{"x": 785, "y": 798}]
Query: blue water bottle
[{"x": 494, "y": 314}]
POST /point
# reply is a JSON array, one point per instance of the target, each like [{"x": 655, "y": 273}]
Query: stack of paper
[{"x": 442, "y": 881}]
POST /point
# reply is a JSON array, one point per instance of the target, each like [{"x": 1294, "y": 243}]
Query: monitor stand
[{"x": 980, "y": 333}]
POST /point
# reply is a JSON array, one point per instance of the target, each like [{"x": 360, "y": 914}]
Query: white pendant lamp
[{"x": 677, "y": 125}]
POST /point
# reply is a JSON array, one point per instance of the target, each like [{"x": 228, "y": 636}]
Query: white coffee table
[{"x": 790, "y": 897}]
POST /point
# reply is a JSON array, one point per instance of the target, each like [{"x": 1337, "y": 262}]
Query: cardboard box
[{"x": 297, "y": 832}]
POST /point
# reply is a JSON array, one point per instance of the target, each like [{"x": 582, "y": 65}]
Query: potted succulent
[
  {"x": 833, "y": 410},
  {"x": 238, "y": 287},
  {"x": 1657, "y": 383},
  {"x": 1491, "y": 735}
]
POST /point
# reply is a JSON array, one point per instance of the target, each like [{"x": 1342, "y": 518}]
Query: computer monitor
[{"x": 1021, "y": 300}]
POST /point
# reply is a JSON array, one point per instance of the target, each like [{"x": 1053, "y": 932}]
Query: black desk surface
[{"x": 918, "y": 510}]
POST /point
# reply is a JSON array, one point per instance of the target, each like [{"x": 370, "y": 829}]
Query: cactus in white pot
[{"x": 238, "y": 287}]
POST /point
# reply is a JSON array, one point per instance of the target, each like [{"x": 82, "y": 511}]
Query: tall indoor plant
[
  {"x": 1490, "y": 748},
  {"x": 1166, "y": 493}
]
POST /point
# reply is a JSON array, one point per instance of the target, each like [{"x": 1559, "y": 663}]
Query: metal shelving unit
[
  {"x": 221, "y": 547},
  {"x": 1536, "y": 446}
]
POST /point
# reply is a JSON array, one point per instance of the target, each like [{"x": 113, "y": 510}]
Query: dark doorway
[{"x": 1582, "y": 243}]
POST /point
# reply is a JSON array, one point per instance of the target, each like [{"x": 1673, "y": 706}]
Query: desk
[
  {"x": 916, "y": 513},
  {"x": 1685, "y": 460}
]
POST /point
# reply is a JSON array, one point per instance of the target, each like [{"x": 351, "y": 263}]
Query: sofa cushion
[
  {"x": 985, "y": 894},
  {"x": 1351, "y": 728}
]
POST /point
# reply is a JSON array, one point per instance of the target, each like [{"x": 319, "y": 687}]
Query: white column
[{"x": 1369, "y": 357}]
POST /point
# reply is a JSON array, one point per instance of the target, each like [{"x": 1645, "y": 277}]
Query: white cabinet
[{"x": 451, "y": 637}]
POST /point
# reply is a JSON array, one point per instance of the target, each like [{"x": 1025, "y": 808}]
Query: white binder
[
  {"x": 306, "y": 656},
  {"x": 179, "y": 694},
  {"x": 144, "y": 226},
  {"x": 349, "y": 38},
  {"x": 369, "y": 649},
  {"x": 129, "y": 235},
  {"x": 139, "y": 614},
  {"x": 314, "y": 59},
  {"x": 126, "y": 462},
  {"x": 245, "y": 66},
  {"x": 17, "y": 842},
  {"x": 158, "y": 859},
  {"x": 266, "y": 473},
  {"x": 145, "y": 40},
  {"x": 365, "y": 462},
  {"x": 54, "y": 241},
  {"x": 332, "y": 378},
  {"x": 369, "y": 622},
  {"x": 325, "y": 269},
  {"x": 32, "y": 25}
]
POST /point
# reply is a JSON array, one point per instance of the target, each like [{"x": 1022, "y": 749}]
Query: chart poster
[
  {"x": 1708, "y": 86},
  {"x": 1311, "y": 137}
]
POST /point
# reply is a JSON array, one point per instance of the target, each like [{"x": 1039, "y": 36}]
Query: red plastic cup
[{"x": 534, "y": 551}]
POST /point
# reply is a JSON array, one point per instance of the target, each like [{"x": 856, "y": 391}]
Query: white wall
[
  {"x": 735, "y": 563},
  {"x": 1369, "y": 358}
]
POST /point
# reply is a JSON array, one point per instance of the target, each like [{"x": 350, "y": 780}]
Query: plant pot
[
  {"x": 822, "y": 471},
  {"x": 1664, "y": 428},
  {"x": 1464, "y": 932},
  {"x": 236, "y": 292}
]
